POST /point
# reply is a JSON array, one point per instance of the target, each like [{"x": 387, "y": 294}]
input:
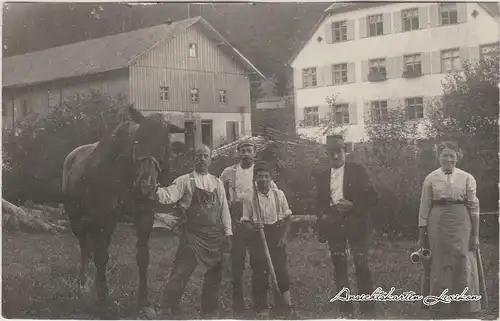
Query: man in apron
[
  {"x": 238, "y": 182},
  {"x": 267, "y": 208},
  {"x": 205, "y": 234}
]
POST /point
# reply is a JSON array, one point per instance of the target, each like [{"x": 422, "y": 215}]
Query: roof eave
[
  {"x": 239, "y": 54},
  {"x": 34, "y": 83}
]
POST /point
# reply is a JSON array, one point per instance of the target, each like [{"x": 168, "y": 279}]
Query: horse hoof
[
  {"x": 85, "y": 289},
  {"x": 147, "y": 313}
]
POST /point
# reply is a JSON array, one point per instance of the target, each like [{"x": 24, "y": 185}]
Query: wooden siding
[
  {"x": 168, "y": 65},
  {"x": 38, "y": 97}
]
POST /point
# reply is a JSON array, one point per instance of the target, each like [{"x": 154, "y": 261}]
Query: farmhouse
[
  {"x": 373, "y": 57},
  {"x": 184, "y": 69}
]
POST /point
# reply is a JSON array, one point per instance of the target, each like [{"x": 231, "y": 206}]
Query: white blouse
[{"x": 457, "y": 186}]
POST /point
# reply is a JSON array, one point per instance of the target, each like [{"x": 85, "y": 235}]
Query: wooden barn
[{"x": 184, "y": 69}]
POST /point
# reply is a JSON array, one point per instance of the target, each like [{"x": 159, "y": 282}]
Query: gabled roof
[
  {"x": 492, "y": 8},
  {"x": 99, "y": 55}
]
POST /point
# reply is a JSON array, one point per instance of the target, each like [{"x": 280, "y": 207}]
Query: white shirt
[
  {"x": 181, "y": 190},
  {"x": 459, "y": 185},
  {"x": 336, "y": 184},
  {"x": 271, "y": 212},
  {"x": 243, "y": 184}
]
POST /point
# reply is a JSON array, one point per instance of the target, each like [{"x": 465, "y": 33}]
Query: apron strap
[
  {"x": 233, "y": 181},
  {"x": 277, "y": 204}
]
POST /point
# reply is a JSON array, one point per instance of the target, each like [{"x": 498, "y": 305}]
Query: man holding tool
[
  {"x": 266, "y": 216},
  {"x": 238, "y": 182}
]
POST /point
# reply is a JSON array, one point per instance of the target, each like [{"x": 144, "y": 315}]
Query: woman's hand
[{"x": 474, "y": 243}]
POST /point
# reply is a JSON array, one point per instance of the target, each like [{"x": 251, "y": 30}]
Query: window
[
  {"x": 450, "y": 60},
  {"x": 339, "y": 31},
  {"x": 413, "y": 64},
  {"x": 195, "y": 95},
  {"x": 414, "y": 108},
  {"x": 222, "y": 96},
  {"x": 379, "y": 110},
  {"x": 377, "y": 69},
  {"x": 375, "y": 25},
  {"x": 339, "y": 74},
  {"x": 193, "y": 50},
  {"x": 311, "y": 117},
  {"x": 309, "y": 77},
  {"x": 163, "y": 93},
  {"x": 487, "y": 52},
  {"x": 410, "y": 19},
  {"x": 448, "y": 14},
  {"x": 341, "y": 114}
]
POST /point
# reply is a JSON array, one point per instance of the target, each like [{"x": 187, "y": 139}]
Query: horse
[{"x": 118, "y": 175}]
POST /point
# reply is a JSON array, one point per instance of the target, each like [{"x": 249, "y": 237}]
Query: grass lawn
[{"x": 40, "y": 277}]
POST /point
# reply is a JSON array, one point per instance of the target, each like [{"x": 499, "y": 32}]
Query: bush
[{"x": 34, "y": 151}]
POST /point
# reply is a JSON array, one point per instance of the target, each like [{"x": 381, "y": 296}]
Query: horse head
[{"x": 150, "y": 150}]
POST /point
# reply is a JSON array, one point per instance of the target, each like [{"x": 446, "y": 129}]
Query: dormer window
[{"x": 193, "y": 50}]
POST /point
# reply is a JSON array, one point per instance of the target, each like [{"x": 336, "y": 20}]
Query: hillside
[{"x": 266, "y": 33}]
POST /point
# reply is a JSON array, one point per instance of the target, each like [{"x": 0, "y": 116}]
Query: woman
[{"x": 449, "y": 226}]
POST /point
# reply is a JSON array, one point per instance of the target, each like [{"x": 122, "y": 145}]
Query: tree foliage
[{"x": 35, "y": 149}]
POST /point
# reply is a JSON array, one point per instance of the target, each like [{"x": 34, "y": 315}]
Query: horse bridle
[{"x": 142, "y": 158}]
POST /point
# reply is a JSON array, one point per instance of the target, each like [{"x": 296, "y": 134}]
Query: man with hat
[
  {"x": 238, "y": 182},
  {"x": 345, "y": 195}
]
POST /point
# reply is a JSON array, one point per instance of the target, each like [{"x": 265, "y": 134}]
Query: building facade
[
  {"x": 185, "y": 70},
  {"x": 372, "y": 58}
]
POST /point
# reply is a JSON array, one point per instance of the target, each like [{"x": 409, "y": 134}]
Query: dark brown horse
[{"x": 117, "y": 176}]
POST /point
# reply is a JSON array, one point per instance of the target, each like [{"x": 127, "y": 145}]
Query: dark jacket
[{"x": 358, "y": 188}]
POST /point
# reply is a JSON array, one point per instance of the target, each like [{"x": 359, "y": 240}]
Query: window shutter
[
  {"x": 398, "y": 67},
  {"x": 423, "y": 17},
  {"x": 474, "y": 54},
  {"x": 364, "y": 71},
  {"x": 351, "y": 72},
  {"x": 434, "y": 16},
  {"x": 387, "y": 23},
  {"x": 328, "y": 75},
  {"x": 436, "y": 62},
  {"x": 426, "y": 62},
  {"x": 328, "y": 32},
  {"x": 462, "y": 12},
  {"x": 320, "y": 77},
  {"x": 397, "y": 22},
  {"x": 350, "y": 30},
  {"x": 392, "y": 104},
  {"x": 297, "y": 75},
  {"x": 464, "y": 54},
  {"x": 353, "y": 114},
  {"x": 362, "y": 27},
  {"x": 391, "y": 72}
]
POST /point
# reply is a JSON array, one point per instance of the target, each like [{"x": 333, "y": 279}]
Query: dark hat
[
  {"x": 261, "y": 166},
  {"x": 335, "y": 142},
  {"x": 245, "y": 143}
]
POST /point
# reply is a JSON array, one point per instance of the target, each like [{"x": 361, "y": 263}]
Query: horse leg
[
  {"x": 85, "y": 251},
  {"x": 101, "y": 240},
  {"x": 144, "y": 226}
]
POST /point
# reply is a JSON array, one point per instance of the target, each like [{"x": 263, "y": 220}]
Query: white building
[{"x": 378, "y": 56}]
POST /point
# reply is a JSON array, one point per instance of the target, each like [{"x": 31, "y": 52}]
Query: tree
[
  {"x": 468, "y": 113},
  {"x": 35, "y": 151}
]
